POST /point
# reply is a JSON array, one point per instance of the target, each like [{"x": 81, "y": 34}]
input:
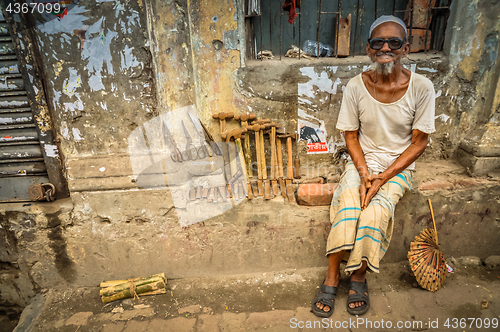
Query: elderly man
[{"x": 386, "y": 115}]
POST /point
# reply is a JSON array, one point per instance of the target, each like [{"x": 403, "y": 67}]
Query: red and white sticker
[{"x": 319, "y": 147}]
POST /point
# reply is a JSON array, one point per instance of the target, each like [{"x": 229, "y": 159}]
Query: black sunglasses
[{"x": 394, "y": 43}]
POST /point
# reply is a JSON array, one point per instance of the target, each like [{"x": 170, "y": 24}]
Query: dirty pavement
[{"x": 280, "y": 301}]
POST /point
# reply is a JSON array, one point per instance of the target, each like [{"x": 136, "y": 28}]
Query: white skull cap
[{"x": 387, "y": 18}]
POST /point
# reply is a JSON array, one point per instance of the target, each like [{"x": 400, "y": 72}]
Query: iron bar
[
  {"x": 318, "y": 27},
  {"x": 270, "y": 28},
  {"x": 300, "y": 17},
  {"x": 394, "y": 7},
  {"x": 280, "y": 17},
  {"x": 339, "y": 16},
  {"x": 412, "y": 4},
  {"x": 261, "y": 41},
  {"x": 429, "y": 14},
  {"x": 355, "y": 30},
  {"x": 376, "y": 6}
]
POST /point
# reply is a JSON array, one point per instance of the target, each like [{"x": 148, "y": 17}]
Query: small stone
[
  {"x": 207, "y": 310},
  {"x": 141, "y": 306},
  {"x": 193, "y": 309},
  {"x": 469, "y": 261},
  {"x": 484, "y": 304},
  {"x": 79, "y": 318},
  {"x": 117, "y": 310},
  {"x": 492, "y": 263}
]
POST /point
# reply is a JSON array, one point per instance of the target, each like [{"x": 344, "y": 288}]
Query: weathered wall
[
  {"x": 99, "y": 82},
  {"x": 475, "y": 68}
]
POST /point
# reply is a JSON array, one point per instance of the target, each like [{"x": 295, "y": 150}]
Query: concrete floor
[{"x": 279, "y": 301}]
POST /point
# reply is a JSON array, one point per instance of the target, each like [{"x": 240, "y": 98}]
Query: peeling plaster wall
[
  {"x": 99, "y": 83},
  {"x": 197, "y": 46},
  {"x": 477, "y": 70}
]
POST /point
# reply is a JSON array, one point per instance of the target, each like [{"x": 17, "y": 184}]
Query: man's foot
[
  {"x": 359, "y": 278},
  {"x": 358, "y": 301},
  {"x": 322, "y": 305}
]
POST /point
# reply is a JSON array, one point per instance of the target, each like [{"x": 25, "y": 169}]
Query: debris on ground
[
  {"x": 266, "y": 55},
  {"x": 294, "y": 53}
]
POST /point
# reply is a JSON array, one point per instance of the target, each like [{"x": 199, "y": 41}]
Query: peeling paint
[
  {"x": 70, "y": 84},
  {"x": 76, "y": 134},
  {"x": 430, "y": 70},
  {"x": 51, "y": 150},
  {"x": 64, "y": 130}
]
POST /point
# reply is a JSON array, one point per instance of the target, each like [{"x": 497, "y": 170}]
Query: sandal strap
[
  {"x": 325, "y": 299},
  {"x": 360, "y": 288},
  {"x": 328, "y": 289}
]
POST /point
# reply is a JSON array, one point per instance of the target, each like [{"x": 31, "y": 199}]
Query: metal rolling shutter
[{"x": 21, "y": 159}]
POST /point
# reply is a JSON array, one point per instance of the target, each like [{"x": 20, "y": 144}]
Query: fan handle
[{"x": 433, "y": 221}]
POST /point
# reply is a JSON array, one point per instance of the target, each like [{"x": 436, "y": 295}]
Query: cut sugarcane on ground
[{"x": 121, "y": 289}]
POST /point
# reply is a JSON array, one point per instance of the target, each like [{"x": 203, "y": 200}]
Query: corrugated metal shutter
[{"x": 21, "y": 159}]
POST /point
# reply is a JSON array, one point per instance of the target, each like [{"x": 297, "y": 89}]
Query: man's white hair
[{"x": 382, "y": 69}]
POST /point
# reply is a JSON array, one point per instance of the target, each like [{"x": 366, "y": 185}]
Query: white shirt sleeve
[
  {"x": 425, "y": 107},
  {"x": 349, "y": 115}
]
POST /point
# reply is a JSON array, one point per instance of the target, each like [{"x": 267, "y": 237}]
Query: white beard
[{"x": 384, "y": 69}]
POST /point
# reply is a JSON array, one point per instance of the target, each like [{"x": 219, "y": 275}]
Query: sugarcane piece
[
  {"x": 125, "y": 284},
  {"x": 155, "y": 292},
  {"x": 112, "y": 290},
  {"x": 132, "y": 292},
  {"x": 106, "y": 284}
]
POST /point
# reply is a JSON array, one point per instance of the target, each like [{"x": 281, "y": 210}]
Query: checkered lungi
[{"x": 364, "y": 235}]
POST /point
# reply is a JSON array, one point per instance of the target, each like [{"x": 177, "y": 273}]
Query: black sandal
[
  {"x": 360, "y": 288},
  {"x": 325, "y": 296}
]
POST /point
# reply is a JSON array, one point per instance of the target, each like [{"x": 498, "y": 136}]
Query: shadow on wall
[{"x": 171, "y": 151}]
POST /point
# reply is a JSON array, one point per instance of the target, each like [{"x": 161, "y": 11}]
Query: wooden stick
[
  {"x": 260, "y": 186},
  {"x": 282, "y": 186},
  {"x": 433, "y": 221},
  {"x": 289, "y": 158},
  {"x": 263, "y": 155},
  {"x": 273, "y": 152},
  {"x": 259, "y": 156},
  {"x": 267, "y": 189},
  {"x": 280, "y": 157}
]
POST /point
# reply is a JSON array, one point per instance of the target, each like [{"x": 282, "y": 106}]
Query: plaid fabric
[{"x": 365, "y": 235}]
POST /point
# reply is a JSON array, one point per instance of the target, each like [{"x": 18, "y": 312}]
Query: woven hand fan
[{"x": 427, "y": 262}]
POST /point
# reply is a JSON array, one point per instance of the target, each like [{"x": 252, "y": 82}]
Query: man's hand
[
  {"x": 375, "y": 184},
  {"x": 369, "y": 187}
]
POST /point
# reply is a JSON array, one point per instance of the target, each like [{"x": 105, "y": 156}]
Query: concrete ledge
[
  {"x": 477, "y": 165},
  {"x": 102, "y": 235}
]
